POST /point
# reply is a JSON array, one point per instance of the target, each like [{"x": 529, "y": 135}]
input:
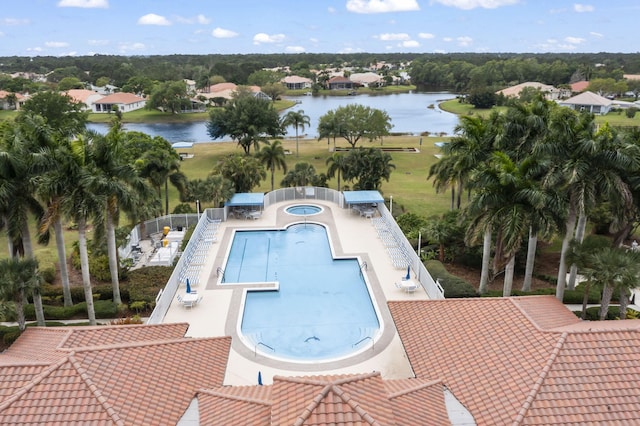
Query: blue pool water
[
  {"x": 304, "y": 210},
  {"x": 322, "y": 310}
]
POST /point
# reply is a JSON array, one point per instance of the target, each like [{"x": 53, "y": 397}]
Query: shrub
[
  {"x": 631, "y": 112},
  {"x": 183, "y": 208},
  {"x": 593, "y": 313},
  {"x": 48, "y": 274},
  {"x": 453, "y": 286},
  {"x": 143, "y": 284}
]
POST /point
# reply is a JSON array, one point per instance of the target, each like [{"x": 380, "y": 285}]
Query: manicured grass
[
  {"x": 619, "y": 119},
  {"x": 6, "y": 114},
  {"x": 408, "y": 184},
  {"x": 455, "y": 107}
]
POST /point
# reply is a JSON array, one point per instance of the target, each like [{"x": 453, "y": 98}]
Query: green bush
[
  {"x": 183, "y": 208},
  {"x": 593, "y": 313},
  {"x": 48, "y": 274},
  {"x": 103, "y": 309},
  {"x": 187, "y": 236},
  {"x": 453, "y": 286},
  {"x": 143, "y": 284}
]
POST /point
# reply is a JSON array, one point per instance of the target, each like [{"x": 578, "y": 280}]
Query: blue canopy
[
  {"x": 246, "y": 199},
  {"x": 182, "y": 145},
  {"x": 362, "y": 197}
]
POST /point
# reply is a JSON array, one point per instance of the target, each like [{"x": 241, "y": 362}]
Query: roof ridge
[
  {"x": 419, "y": 386},
  {"x": 351, "y": 402},
  {"x": 124, "y": 345},
  {"x": 111, "y": 412},
  {"x": 525, "y": 313},
  {"x": 538, "y": 383},
  {"x": 312, "y": 405},
  {"x": 36, "y": 380},
  {"x": 309, "y": 380},
  {"x": 236, "y": 397}
]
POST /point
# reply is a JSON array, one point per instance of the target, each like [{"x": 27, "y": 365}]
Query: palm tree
[
  {"x": 17, "y": 190},
  {"x": 18, "y": 279},
  {"x": 162, "y": 167},
  {"x": 272, "y": 156},
  {"x": 297, "y": 119},
  {"x": 303, "y": 174},
  {"x": 122, "y": 187},
  {"x": 338, "y": 165},
  {"x": 81, "y": 203}
]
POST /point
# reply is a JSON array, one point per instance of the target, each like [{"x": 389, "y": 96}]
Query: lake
[{"x": 410, "y": 113}]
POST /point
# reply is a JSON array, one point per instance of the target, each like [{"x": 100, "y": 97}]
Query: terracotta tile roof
[
  {"x": 508, "y": 364},
  {"x": 113, "y": 375},
  {"x": 81, "y": 95},
  {"x": 36, "y": 345},
  {"x": 363, "y": 399},
  {"x": 579, "y": 86},
  {"x": 120, "y": 98},
  {"x": 339, "y": 79}
]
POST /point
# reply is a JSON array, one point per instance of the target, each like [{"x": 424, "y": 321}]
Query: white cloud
[
  {"x": 1, "y": 34},
  {"x": 574, "y": 40},
  {"x": 72, "y": 53},
  {"x": 426, "y": 36},
  {"x": 472, "y": 4},
  {"x": 128, "y": 47},
  {"x": 464, "y": 41},
  {"x": 98, "y": 42},
  {"x": 153, "y": 19},
  {"x": 409, "y": 43},
  {"x": 595, "y": 34},
  {"x": 350, "y": 50},
  {"x": 14, "y": 21},
  {"x": 331, "y": 10},
  {"x": 294, "y": 49},
  {"x": 268, "y": 38},
  {"x": 381, "y": 6},
  {"x": 34, "y": 49},
  {"x": 313, "y": 40},
  {"x": 447, "y": 39},
  {"x": 87, "y": 4},
  {"x": 392, "y": 36},
  {"x": 222, "y": 33},
  {"x": 581, "y": 8},
  {"x": 56, "y": 44}
]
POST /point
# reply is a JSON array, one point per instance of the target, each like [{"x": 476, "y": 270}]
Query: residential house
[
  {"x": 550, "y": 92},
  {"x": 477, "y": 361},
  {"x": 588, "y": 101},
  {"x": 191, "y": 85},
  {"x": 125, "y": 102},
  {"x": 226, "y": 90},
  {"x": 367, "y": 79},
  {"x": 339, "y": 83},
  {"x": 106, "y": 89},
  {"x": 85, "y": 97},
  {"x": 9, "y": 100},
  {"x": 294, "y": 82}
]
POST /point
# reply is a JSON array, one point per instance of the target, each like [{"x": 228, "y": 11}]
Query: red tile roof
[
  {"x": 120, "y": 98},
  {"x": 524, "y": 360},
  {"x": 363, "y": 399},
  {"x": 114, "y": 375}
]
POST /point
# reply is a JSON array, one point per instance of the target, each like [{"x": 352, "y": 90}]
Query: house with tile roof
[
  {"x": 550, "y": 92},
  {"x": 479, "y": 361},
  {"x": 579, "y": 86},
  {"x": 525, "y": 360},
  {"x": 9, "y": 102},
  {"x": 85, "y": 97},
  {"x": 295, "y": 82},
  {"x": 367, "y": 79},
  {"x": 590, "y": 102},
  {"x": 121, "y": 375},
  {"x": 125, "y": 102},
  {"x": 339, "y": 83},
  {"x": 226, "y": 90}
]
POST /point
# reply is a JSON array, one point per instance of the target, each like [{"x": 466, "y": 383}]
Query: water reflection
[{"x": 411, "y": 113}]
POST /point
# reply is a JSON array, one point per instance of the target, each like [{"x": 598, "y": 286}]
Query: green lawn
[{"x": 408, "y": 184}]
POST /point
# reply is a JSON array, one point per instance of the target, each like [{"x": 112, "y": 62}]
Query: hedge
[
  {"x": 453, "y": 286},
  {"x": 103, "y": 309},
  {"x": 571, "y": 297}
]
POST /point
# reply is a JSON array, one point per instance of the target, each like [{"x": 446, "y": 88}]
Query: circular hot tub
[{"x": 303, "y": 210}]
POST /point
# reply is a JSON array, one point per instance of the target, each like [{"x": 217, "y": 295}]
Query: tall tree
[
  {"x": 368, "y": 167},
  {"x": 338, "y": 165},
  {"x": 354, "y": 122},
  {"x": 63, "y": 115},
  {"x": 247, "y": 119},
  {"x": 272, "y": 156},
  {"x": 160, "y": 166},
  {"x": 298, "y": 120},
  {"x": 244, "y": 171},
  {"x": 19, "y": 278}
]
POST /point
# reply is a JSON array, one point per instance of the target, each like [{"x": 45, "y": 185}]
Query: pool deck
[{"x": 217, "y": 314}]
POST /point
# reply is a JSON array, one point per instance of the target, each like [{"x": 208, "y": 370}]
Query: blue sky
[{"x": 159, "y": 27}]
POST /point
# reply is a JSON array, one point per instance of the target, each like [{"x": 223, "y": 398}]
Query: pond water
[{"x": 411, "y": 113}]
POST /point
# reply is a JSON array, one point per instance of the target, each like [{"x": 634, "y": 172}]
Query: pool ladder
[
  {"x": 362, "y": 340},
  {"x": 219, "y": 272},
  {"x": 255, "y": 349},
  {"x": 363, "y": 266}
]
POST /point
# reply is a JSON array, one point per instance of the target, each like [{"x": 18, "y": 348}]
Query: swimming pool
[
  {"x": 323, "y": 309},
  {"x": 303, "y": 210}
]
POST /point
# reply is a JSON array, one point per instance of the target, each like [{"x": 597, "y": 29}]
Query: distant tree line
[{"x": 457, "y": 71}]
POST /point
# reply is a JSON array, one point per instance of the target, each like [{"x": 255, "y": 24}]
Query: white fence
[{"x": 164, "y": 299}]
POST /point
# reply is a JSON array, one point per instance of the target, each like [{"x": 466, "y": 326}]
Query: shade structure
[
  {"x": 408, "y": 277},
  {"x": 362, "y": 197},
  {"x": 188, "y": 286},
  {"x": 182, "y": 145},
  {"x": 260, "y": 378},
  {"x": 246, "y": 199}
]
